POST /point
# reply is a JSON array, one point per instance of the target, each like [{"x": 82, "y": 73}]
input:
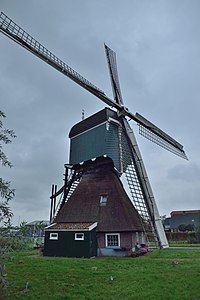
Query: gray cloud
[
  {"x": 157, "y": 45},
  {"x": 189, "y": 173}
]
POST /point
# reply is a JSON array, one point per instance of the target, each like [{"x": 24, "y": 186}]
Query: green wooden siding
[
  {"x": 112, "y": 144},
  {"x": 67, "y": 246},
  {"x": 96, "y": 142}
]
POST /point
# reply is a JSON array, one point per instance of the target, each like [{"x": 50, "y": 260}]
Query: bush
[
  {"x": 194, "y": 237},
  {"x": 3, "y": 276}
]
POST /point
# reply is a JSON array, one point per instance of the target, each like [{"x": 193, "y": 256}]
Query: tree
[
  {"x": 24, "y": 230},
  {"x": 190, "y": 227},
  {"x": 6, "y": 192},
  {"x": 182, "y": 227}
]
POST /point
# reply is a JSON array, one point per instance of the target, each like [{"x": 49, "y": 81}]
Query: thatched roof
[{"x": 117, "y": 214}]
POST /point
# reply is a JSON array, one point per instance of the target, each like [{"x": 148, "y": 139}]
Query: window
[
  {"x": 53, "y": 236},
  {"x": 112, "y": 240},
  {"x": 79, "y": 236},
  {"x": 103, "y": 200}
]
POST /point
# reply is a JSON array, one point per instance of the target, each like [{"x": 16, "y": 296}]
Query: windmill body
[
  {"x": 99, "y": 135},
  {"x": 100, "y": 198},
  {"x": 94, "y": 208}
]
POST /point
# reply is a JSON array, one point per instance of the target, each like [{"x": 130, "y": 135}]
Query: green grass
[
  {"x": 162, "y": 274},
  {"x": 183, "y": 244}
]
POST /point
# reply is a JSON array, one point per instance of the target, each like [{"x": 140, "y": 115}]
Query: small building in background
[
  {"x": 36, "y": 228},
  {"x": 186, "y": 218}
]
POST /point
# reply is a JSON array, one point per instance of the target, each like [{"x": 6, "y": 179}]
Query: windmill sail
[
  {"x": 156, "y": 135},
  {"x": 132, "y": 163},
  {"x": 141, "y": 192},
  {"x": 112, "y": 65},
  {"x": 20, "y": 36}
]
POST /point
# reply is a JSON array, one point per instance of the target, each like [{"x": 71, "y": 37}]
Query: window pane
[
  {"x": 112, "y": 240},
  {"x": 103, "y": 200},
  {"x": 79, "y": 236},
  {"x": 53, "y": 236}
]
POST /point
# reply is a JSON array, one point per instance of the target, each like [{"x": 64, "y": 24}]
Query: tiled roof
[{"x": 70, "y": 226}]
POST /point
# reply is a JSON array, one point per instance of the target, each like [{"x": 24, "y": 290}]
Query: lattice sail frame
[
  {"x": 128, "y": 168},
  {"x": 153, "y": 137},
  {"x": 19, "y": 35},
  {"x": 139, "y": 186}
]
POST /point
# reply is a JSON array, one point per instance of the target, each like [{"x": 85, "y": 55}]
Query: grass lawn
[
  {"x": 162, "y": 274},
  {"x": 183, "y": 244}
]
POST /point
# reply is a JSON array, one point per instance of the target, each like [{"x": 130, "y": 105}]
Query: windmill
[{"x": 118, "y": 155}]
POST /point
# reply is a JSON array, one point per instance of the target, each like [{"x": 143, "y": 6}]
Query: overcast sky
[{"x": 158, "y": 47}]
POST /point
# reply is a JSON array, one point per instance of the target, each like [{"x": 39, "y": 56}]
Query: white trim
[
  {"x": 106, "y": 239},
  {"x": 72, "y": 229},
  {"x": 89, "y": 129},
  {"x": 79, "y": 238},
  {"x": 109, "y": 120},
  {"x": 53, "y": 236},
  {"x": 47, "y": 227},
  {"x": 92, "y": 226}
]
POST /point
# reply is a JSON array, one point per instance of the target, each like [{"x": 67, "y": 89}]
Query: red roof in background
[{"x": 183, "y": 212}]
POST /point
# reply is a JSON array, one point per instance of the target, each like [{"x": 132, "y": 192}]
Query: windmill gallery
[{"x": 92, "y": 213}]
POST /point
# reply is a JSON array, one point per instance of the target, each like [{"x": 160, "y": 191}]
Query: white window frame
[
  {"x": 103, "y": 200},
  {"x": 112, "y": 246},
  {"x": 79, "y": 238},
  {"x": 53, "y": 236}
]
